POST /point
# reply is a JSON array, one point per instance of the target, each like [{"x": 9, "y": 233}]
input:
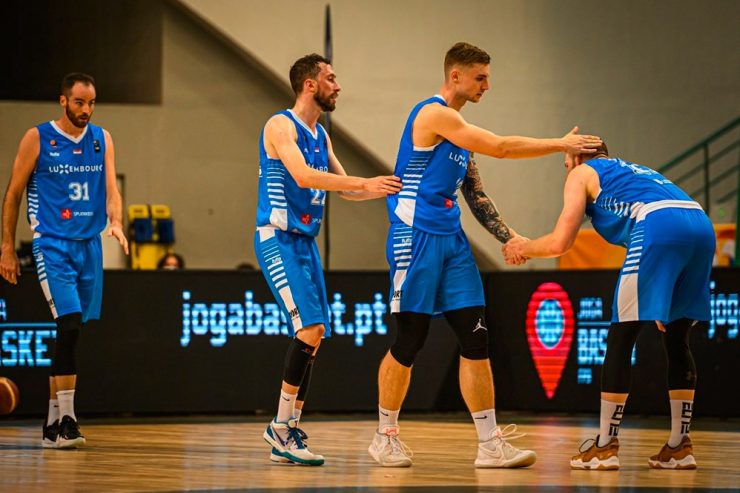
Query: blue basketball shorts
[
  {"x": 665, "y": 275},
  {"x": 71, "y": 275},
  {"x": 431, "y": 273},
  {"x": 292, "y": 268}
]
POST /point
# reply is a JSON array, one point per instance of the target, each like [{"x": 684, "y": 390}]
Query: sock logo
[
  {"x": 616, "y": 419},
  {"x": 686, "y": 411},
  {"x": 549, "y": 328}
]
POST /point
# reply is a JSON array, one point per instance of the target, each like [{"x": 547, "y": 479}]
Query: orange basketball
[{"x": 9, "y": 396}]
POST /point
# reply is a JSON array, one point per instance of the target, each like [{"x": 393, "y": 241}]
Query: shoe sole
[
  {"x": 46, "y": 443},
  {"x": 687, "y": 462},
  {"x": 74, "y": 443},
  {"x": 287, "y": 455},
  {"x": 610, "y": 464},
  {"x": 525, "y": 461},
  {"x": 376, "y": 457}
]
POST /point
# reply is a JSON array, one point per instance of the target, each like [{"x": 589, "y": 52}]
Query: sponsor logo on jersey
[
  {"x": 306, "y": 219},
  {"x": 294, "y": 313},
  {"x": 66, "y": 169},
  {"x": 449, "y": 203},
  {"x": 66, "y": 214},
  {"x": 53, "y": 143},
  {"x": 397, "y": 294},
  {"x": 458, "y": 158},
  {"x": 76, "y": 151},
  {"x": 316, "y": 149}
]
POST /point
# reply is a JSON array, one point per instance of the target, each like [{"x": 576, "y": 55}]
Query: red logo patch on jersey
[
  {"x": 449, "y": 203},
  {"x": 76, "y": 151},
  {"x": 316, "y": 149},
  {"x": 53, "y": 143},
  {"x": 66, "y": 214},
  {"x": 306, "y": 219}
]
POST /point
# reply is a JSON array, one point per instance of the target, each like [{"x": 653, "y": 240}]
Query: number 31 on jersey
[{"x": 79, "y": 191}]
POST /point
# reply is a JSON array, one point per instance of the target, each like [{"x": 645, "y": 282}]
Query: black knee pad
[
  {"x": 303, "y": 389},
  {"x": 411, "y": 334},
  {"x": 296, "y": 361},
  {"x": 617, "y": 369},
  {"x": 64, "y": 361},
  {"x": 470, "y": 328},
  {"x": 681, "y": 366}
]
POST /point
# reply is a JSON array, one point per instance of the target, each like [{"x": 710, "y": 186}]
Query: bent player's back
[{"x": 628, "y": 193}]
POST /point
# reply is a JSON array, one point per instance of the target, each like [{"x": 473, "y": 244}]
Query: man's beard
[
  {"x": 76, "y": 121},
  {"x": 325, "y": 103}
]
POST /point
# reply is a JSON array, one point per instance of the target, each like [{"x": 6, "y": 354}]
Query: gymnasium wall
[{"x": 651, "y": 77}]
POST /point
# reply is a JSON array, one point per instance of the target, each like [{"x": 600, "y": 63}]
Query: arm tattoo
[{"x": 482, "y": 206}]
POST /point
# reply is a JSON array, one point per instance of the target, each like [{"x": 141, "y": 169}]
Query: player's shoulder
[
  {"x": 278, "y": 124},
  {"x": 435, "y": 113}
]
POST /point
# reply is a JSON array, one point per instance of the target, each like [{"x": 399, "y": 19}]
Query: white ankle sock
[
  {"x": 681, "y": 412},
  {"x": 485, "y": 423},
  {"x": 66, "y": 400},
  {"x": 53, "y": 412},
  {"x": 387, "y": 419},
  {"x": 286, "y": 408},
  {"x": 297, "y": 413},
  {"x": 611, "y": 417}
]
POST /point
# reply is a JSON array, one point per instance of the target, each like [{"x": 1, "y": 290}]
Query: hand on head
[{"x": 581, "y": 144}]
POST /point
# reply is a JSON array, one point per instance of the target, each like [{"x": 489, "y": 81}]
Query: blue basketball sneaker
[{"x": 289, "y": 442}]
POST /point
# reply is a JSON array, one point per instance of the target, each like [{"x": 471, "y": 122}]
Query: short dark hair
[
  {"x": 70, "y": 80},
  {"x": 602, "y": 149},
  {"x": 306, "y": 67},
  {"x": 465, "y": 54}
]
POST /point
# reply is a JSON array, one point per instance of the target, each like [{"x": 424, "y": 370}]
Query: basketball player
[
  {"x": 67, "y": 167},
  {"x": 664, "y": 282},
  {"x": 297, "y": 167},
  {"x": 432, "y": 267}
]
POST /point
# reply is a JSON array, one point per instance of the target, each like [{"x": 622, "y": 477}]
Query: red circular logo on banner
[{"x": 549, "y": 333}]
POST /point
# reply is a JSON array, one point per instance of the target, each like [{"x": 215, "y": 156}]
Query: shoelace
[
  {"x": 509, "y": 432},
  {"x": 397, "y": 446},
  {"x": 298, "y": 436}
]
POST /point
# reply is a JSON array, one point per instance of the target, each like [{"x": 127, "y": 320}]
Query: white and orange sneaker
[
  {"x": 679, "y": 457},
  {"x": 597, "y": 458}
]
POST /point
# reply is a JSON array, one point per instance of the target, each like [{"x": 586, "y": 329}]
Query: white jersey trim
[
  {"x": 639, "y": 210},
  {"x": 76, "y": 140},
  {"x": 314, "y": 133}
]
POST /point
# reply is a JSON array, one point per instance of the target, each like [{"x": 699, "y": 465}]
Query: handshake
[{"x": 513, "y": 250}]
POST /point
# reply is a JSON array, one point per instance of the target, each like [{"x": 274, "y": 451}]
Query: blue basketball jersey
[
  {"x": 627, "y": 190},
  {"x": 431, "y": 177},
  {"x": 66, "y": 192},
  {"x": 280, "y": 201}
]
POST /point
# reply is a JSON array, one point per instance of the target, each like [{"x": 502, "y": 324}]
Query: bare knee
[{"x": 311, "y": 334}]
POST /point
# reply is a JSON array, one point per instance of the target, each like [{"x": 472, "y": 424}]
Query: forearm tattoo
[{"x": 482, "y": 206}]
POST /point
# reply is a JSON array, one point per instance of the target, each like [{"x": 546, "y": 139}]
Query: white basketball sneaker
[
  {"x": 288, "y": 441},
  {"x": 497, "y": 452},
  {"x": 388, "y": 450}
]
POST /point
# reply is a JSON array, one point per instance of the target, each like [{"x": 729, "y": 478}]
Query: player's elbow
[{"x": 302, "y": 180}]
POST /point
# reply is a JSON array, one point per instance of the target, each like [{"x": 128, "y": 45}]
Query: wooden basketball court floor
[{"x": 228, "y": 454}]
